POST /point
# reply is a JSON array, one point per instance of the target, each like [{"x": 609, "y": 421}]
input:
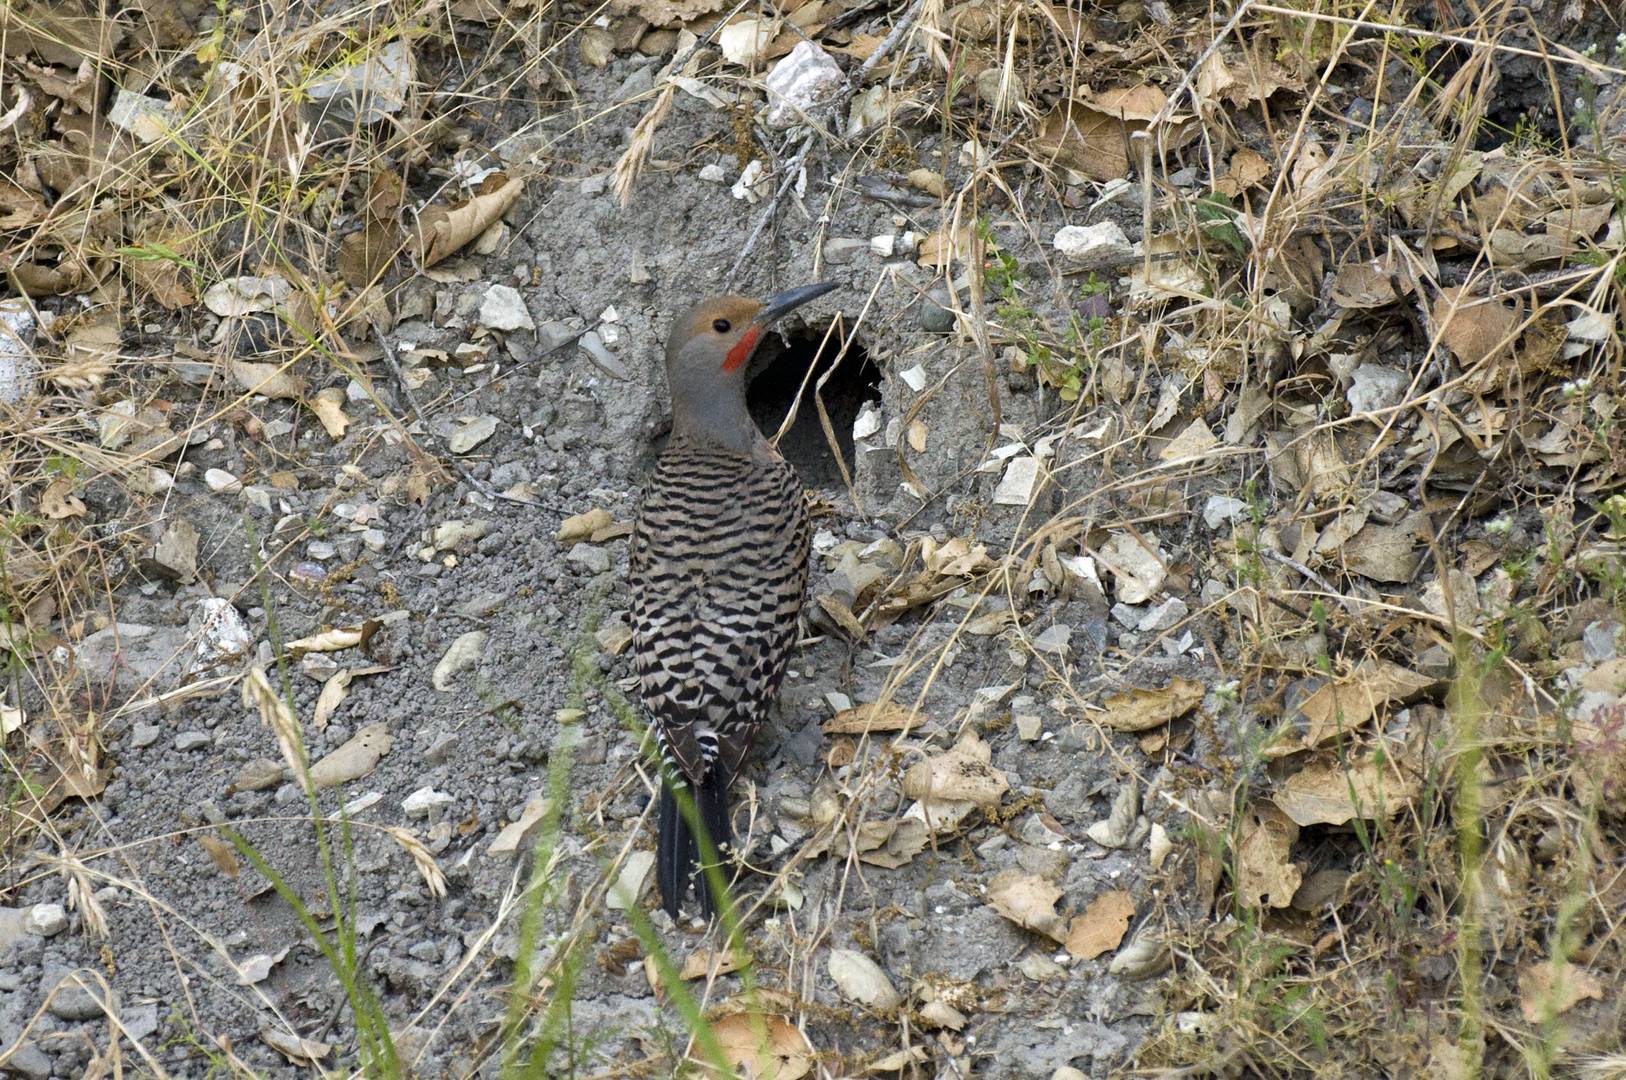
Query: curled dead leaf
[
  {"x": 963, "y": 772},
  {"x": 1029, "y": 901}
]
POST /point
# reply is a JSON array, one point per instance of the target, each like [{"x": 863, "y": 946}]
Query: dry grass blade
[{"x": 428, "y": 869}]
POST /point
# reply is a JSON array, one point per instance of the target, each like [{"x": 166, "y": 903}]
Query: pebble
[
  {"x": 72, "y": 1001},
  {"x": 1221, "y": 508},
  {"x": 144, "y": 735},
  {"x": 1054, "y": 639},
  {"x": 1103, "y": 242},
  {"x": 935, "y": 315},
  {"x": 320, "y": 550},
  {"x": 307, "y": 573},
  {"x": 222, "y": 481},
  {"x": 426, "y": 802},
  {"x": 175, "y": 556},
  {"x": 1375, "y": 387},
  {"x": 842, "y": 250},
  {"x": 640, "y": 82},
  {"x": 219, "y": 631},
  {"x": 805, "y": 83},
  {"x": 471, "y": 434},
  {"x": 1029, "y": 726},
  {"x": 503, "y": 308},
  {"x": 46, "y": 920},
  {"x": 1598, "y": 641},
  {"x": 374, "y": 539},
  {"x": 192, "y": 740},
  {"x": 440, "y": 749},
  {"x": 1165, "y": 615},
  {"x": 30, "y": 1062},
  {"x": 590, "y": 559},
  {"x": 714, "y": 174},
  {"x": 450, "y": 535},
  {"x": 1127, "y": 614}
]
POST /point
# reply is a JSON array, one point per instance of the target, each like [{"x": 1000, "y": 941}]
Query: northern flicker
[{"x": 718, "y": 567}]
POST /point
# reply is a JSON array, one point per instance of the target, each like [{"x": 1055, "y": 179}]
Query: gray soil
[{"x": 584, "y": 440}]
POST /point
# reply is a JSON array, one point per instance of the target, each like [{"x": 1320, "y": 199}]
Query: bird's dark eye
[{"x": 722, "y": 326}]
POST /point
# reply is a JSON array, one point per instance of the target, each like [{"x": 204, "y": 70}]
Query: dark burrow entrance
[{"x": 778, "y": 370}]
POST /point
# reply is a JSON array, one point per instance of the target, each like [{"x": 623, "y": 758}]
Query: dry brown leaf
[
  {"x": 331, "y": 412},
  {"x": 962, "y": 773},
  {"x": 295, "y": 1049},
  {"x": 354, "y": 759},
  {"x": 1029, "y": 901},
  {"x": 1383, "y": 552},
  {"x": 364, "y": 255},
  {"x": 707, "y": 962},
  {"x": 441, "y": 230},
  {"x": 1140, "y": 709},
  {"x": 1331, "y": 793},
  {"x": 1090, "y": 136},
  {"x": 956, "y": 557},
  {"x": 1102, "y": 926},
  {"x": 334, "y": 691},
  {"x": 940, "y": 249},
  {"x": 863, "y": 719},
  {"x": 1480, "y": 329},
  {"x": 58, "y": 501},
  {"x": 1543, "y": 996},
  {"x": 1192, "y": 443},
  {"x": 1266, "y": 876},
  {"x": 328, "y": 640},
  {"x": 764, "y": 1045},
  {"x": 1348, "y": 703},
  {"x": 668, "y": 14},
  {"x": 272, "y": 380},
  {"x": 1366, "y": 284}
]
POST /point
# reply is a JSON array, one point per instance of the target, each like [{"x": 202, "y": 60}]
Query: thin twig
[{"x": 784, "y": 186}]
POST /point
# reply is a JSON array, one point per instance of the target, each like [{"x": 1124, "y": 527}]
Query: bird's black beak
[{"x": 791, "y": 299}]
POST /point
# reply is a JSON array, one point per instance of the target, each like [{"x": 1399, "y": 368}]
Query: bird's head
[{"x": 707, "y": 353}]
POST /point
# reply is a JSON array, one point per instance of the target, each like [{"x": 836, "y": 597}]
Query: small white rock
[
  {"x": 1163, "y": 617},
  {"x": 320, "y": 550},
  {"x": 472, "y": 434},
  {"x": 425, "y": 801},
  {"x": 1376, "y": 387},
  {"x": 222, "y": 481},
  {"x": 1016, "y": 487},
  {"x": 504, "y": 309},
  {"x": 883, "y": 245},
  {"x": 714, "y": 174},
  {"x": 868, "y": 422},
  {"x": 1101, "y": 242},
  {"x": 374, "y": 539},
  {"x": 1054, "y": 639},
  {"x": 1220, "y": 509},
  {"x": 914, "y": 378},
  {"x": 46, "y": 920},
  {"x": 805, "y": 83}
]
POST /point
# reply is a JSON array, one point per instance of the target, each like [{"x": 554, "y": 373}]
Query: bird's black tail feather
[{"x": 678, "y": 849}]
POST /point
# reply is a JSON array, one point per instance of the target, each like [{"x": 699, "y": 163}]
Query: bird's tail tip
[{"x": 678, "y": 848}]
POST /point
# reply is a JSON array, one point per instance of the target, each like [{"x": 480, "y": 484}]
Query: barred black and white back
[{"x": 718, "y": 568}]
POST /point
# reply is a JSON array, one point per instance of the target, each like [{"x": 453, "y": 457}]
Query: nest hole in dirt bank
[{"x": 779, "y": 367}]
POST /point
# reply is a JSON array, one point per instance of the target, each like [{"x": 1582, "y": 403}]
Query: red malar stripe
[{"x": 740, "y": 353}]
